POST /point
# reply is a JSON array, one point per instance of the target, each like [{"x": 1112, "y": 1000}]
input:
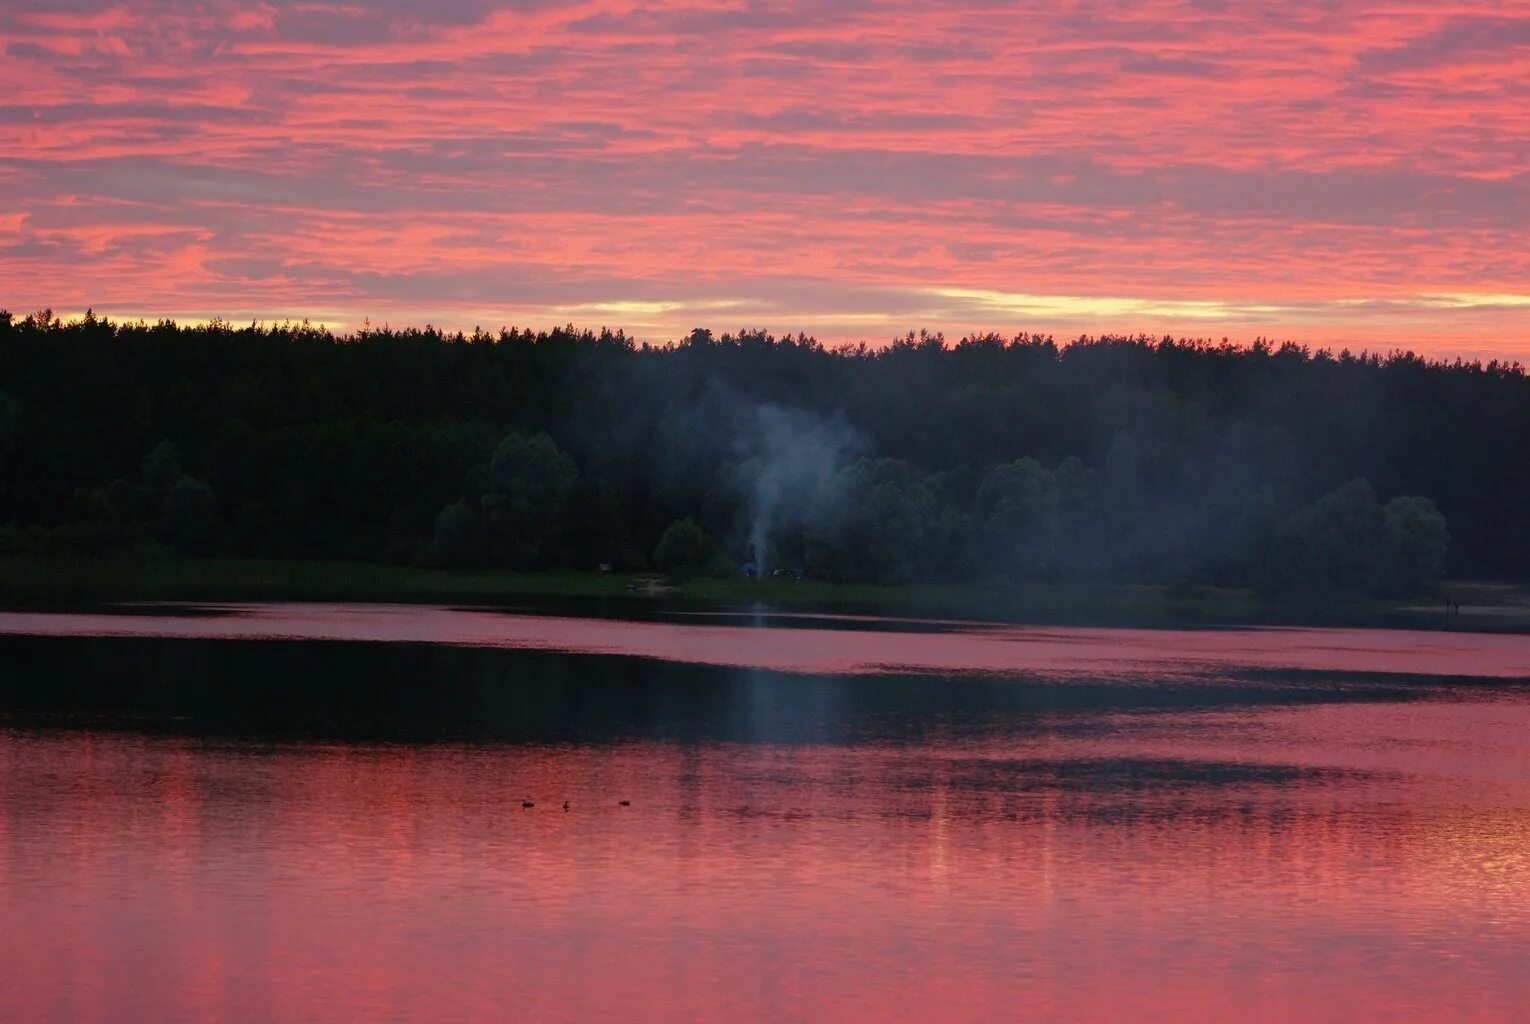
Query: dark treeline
[{"x": 989, "y": 459}]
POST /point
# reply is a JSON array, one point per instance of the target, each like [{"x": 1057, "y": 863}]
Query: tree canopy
[{"x": 987, "y": 458}]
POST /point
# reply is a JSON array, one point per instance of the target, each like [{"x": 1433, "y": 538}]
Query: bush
[
  {"x": 190, "y": 522},
  {"x": 682, "y": 549},
  {"x": 458, "y": 535}
]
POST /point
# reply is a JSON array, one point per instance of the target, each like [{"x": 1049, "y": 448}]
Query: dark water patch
[
  {"x": 1105, "y": 774},
  {"x": 432, "y": 693},
  {"x": 1399, "y": 682},
  {"x": 174, "y": 609}
]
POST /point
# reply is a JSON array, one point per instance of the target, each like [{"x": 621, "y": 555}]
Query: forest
[{"x": 989, "y": 459}]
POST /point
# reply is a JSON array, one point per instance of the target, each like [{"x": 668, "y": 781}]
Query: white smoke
[{"x": 799, "y": 455}]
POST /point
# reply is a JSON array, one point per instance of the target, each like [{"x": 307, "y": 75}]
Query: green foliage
[
  {"x": 458, "y": 535},
  {"x": 10, "y": 417},
  {"x": 1417, "y": 540},
  {"x": 682, "y": 549},
  {"x": 530, "y": 480},
  {"x": 89, "y": 505},
  {"x": 1019, "y": 516},
  {"x": 1348, "y": 543},
  {"x": 10, "y": 420},
  {"x": 189, "y": 522},
  {"x": 91, "y": 527},
  {"x": 162, "y": 469},
  {"x": 990, "y": 459},
  {"x": 594, "y": 530},
  {"x": 895, "y": 530}
]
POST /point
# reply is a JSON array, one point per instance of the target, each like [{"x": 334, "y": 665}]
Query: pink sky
[{"x": 1343, "y": 172}]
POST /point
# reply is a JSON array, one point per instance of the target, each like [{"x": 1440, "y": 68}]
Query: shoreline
[{"x": 43, "y": 584}]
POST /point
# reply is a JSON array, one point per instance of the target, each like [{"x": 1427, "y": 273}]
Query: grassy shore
[
  {"x": 81, "y": 582},
  {"x": 70, "y": 581},
  {"x": 75, "y": 583}
]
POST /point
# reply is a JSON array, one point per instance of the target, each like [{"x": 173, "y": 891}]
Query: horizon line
[{"x": 1309, "y": 347}]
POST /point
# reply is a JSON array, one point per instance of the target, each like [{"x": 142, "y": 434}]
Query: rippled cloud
[{"x": 1341, "y": 172}]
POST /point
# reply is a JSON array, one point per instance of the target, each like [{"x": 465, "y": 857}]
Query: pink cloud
[{"x": 1321, "y": 171}]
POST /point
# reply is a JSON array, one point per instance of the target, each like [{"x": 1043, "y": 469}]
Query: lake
[{"x": 319, "y": 813}]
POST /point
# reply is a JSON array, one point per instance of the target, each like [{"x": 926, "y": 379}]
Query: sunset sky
[{"x": 1343, "y": 172}]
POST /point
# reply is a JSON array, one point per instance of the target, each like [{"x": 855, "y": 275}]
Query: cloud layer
[{"x": 1344, "y": 171}]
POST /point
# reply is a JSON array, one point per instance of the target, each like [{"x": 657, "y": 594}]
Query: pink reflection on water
[
  {"x": 172, "y": 880},
  {"x": 1355, "y": 860},
  {"x": 976, "y": 648}
]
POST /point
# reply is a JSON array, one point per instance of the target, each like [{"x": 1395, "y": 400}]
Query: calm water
[{"x": 257, "y": 813}]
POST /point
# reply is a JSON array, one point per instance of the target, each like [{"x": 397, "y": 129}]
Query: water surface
[{"x": 267, "y": 813}]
